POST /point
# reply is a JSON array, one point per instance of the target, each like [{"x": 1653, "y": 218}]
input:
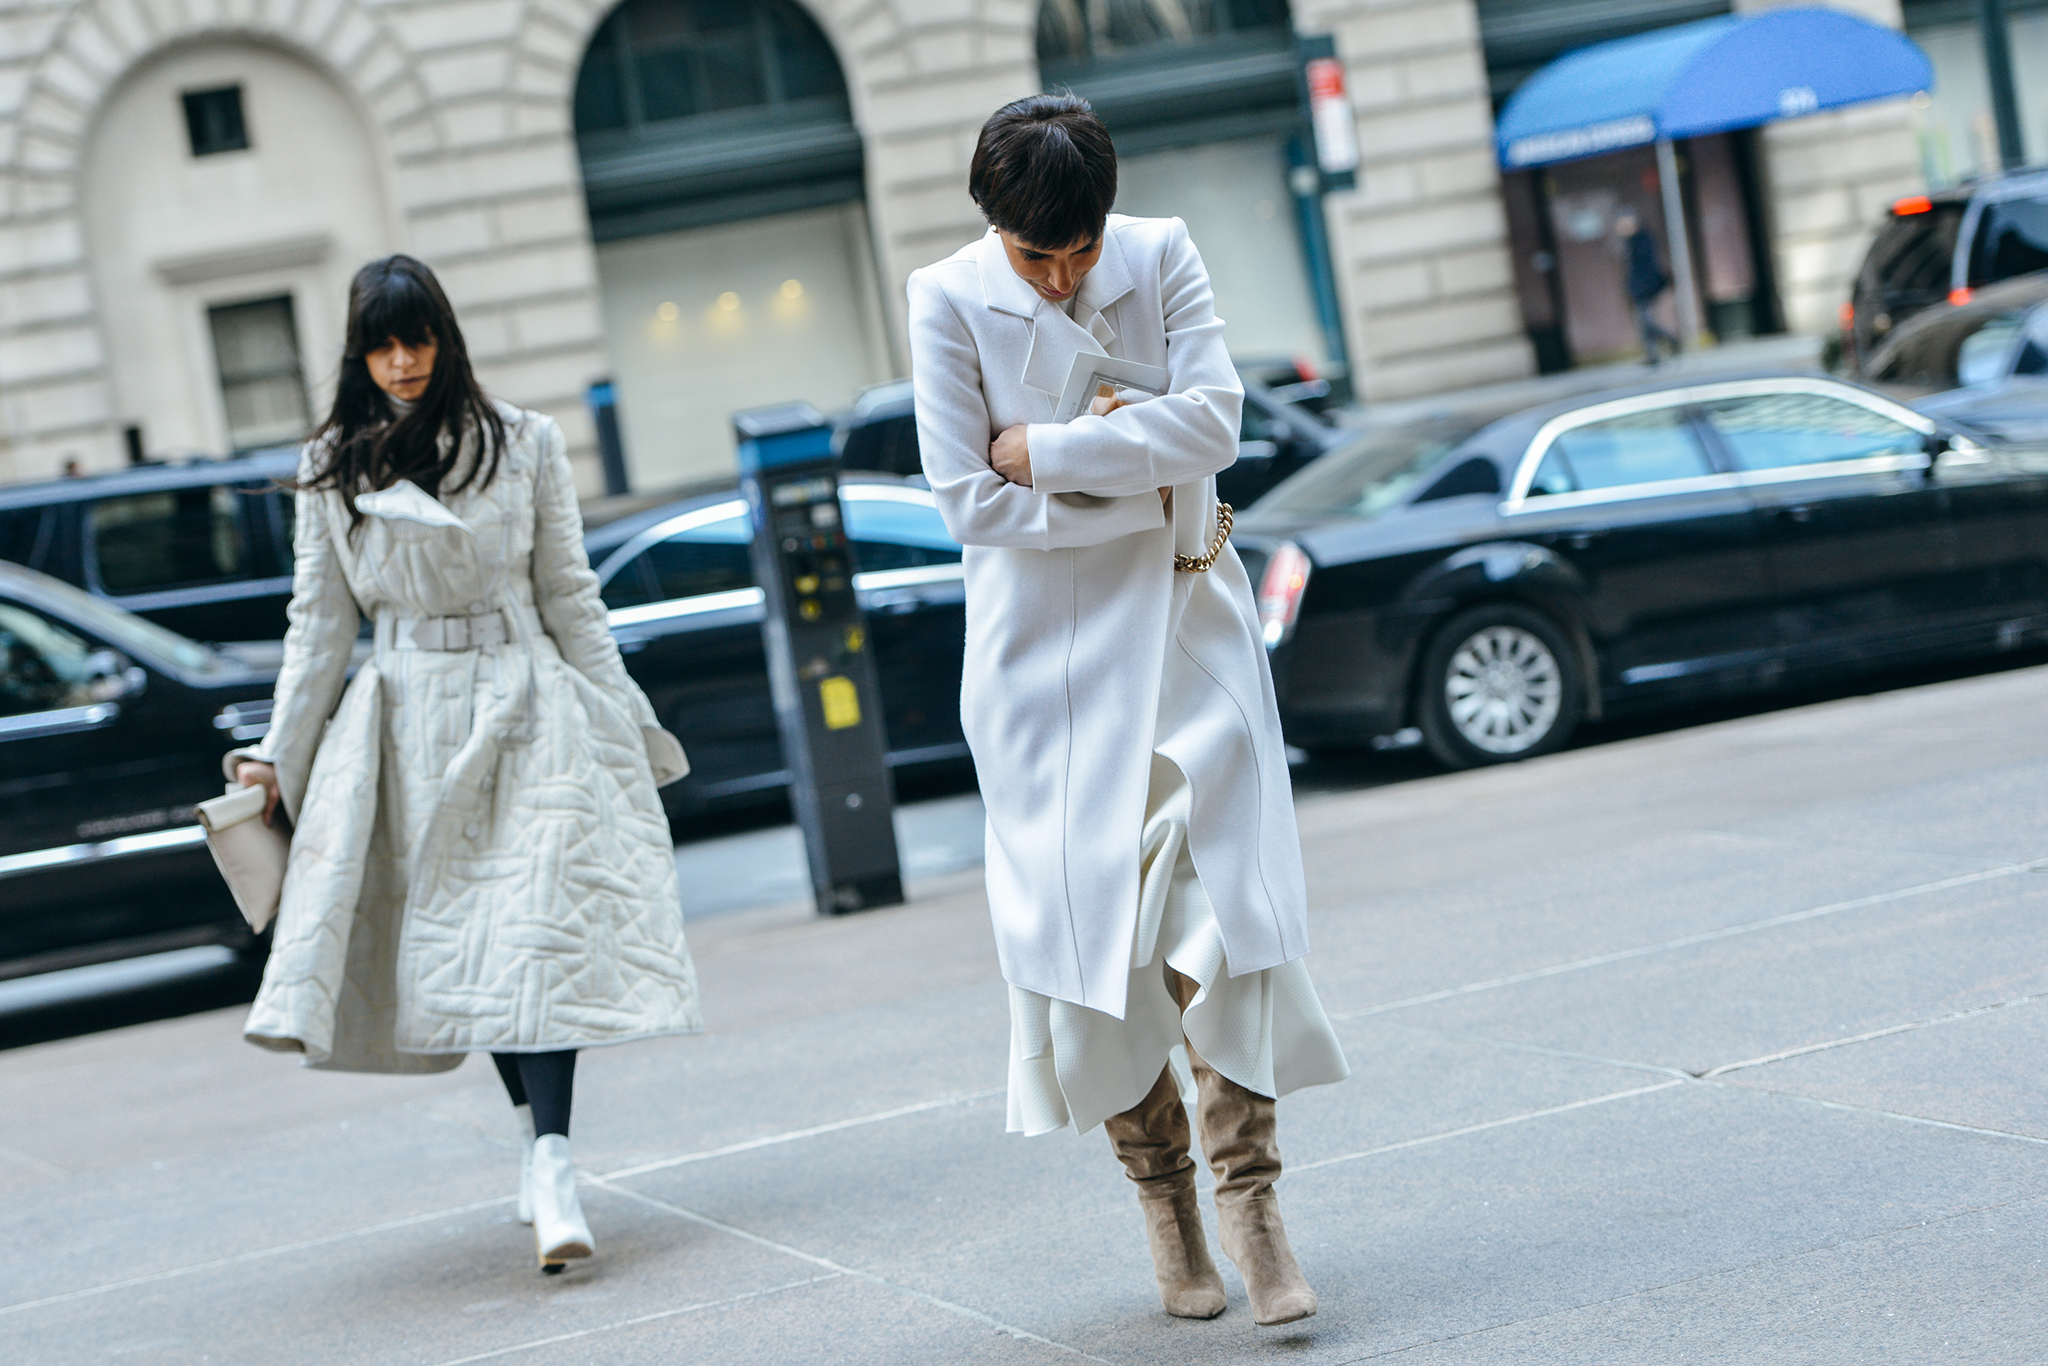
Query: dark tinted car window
[
  {"x": 629, "y": 587},
  {"x": 1916, "y": 252},
  {"x": 2012, "y": 239},
  {"x": 705, "y": 559},
  {"x": 1775, "y": 431},
  {"x": 888, "y": 534},
  {"x": 150, "y": 541},
  {"x": 42, "y": 666},
  {"x": 1635, "y": 448},
  {"x": 1554, "y": 475},
  {"x": 25, "y": 535}
]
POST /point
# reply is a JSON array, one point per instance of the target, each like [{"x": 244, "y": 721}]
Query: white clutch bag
[{"x": 251, "y": 854}]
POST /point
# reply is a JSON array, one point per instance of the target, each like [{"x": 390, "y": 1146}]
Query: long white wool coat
[
  {"x": 1086, "y": 651},
  {"x": 480, "y": 858}
]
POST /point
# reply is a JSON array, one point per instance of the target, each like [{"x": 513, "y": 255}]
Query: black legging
[{"x": 546, "y": 1081}]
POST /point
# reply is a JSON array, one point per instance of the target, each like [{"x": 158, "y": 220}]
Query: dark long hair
[{"x": 365, "y": 443}]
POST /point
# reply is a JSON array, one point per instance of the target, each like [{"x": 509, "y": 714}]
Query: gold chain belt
[{"x": 1199, "y": 564}]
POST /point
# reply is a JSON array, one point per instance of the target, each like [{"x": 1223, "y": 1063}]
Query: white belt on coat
[{"x": 395, "y": 632}]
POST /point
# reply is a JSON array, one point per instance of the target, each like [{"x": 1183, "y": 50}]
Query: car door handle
[
  {"x": 1583, "y": 540},
  {"x": 1801, "y": 513}
]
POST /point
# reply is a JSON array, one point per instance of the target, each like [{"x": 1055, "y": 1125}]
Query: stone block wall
[
  {"x": 1830, "y": 178},
  {"x": 1421, "y": 245}
]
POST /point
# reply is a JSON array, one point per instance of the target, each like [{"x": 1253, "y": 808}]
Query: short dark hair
[{"x": 1045, "y": 169}]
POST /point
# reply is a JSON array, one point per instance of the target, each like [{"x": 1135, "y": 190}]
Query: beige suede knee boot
[
  {"x": 1238, "y": 1139},
  {"x": 1151, "y": 1140}
]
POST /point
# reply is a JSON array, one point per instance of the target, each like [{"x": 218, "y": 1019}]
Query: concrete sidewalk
[{"x": 1721, "y": 1045}]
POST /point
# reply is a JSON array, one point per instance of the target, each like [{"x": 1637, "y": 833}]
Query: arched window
[{"x": 691, "y": 112}]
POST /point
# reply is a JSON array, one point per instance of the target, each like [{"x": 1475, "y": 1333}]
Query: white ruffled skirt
[{"x": 1266, "y": 1031}]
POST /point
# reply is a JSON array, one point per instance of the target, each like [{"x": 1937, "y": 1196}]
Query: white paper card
[{"x": 1091, "y": 374}]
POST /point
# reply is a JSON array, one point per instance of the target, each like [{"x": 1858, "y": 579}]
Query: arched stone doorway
[
  {"x": 230, "y": 189},
  {"x": 725, "y": 178}
]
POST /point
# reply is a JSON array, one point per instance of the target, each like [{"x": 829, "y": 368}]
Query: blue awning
[{"x": 1712, "y": 76}]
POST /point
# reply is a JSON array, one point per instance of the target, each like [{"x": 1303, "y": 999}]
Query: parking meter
[{"x": 821, "y": 660}]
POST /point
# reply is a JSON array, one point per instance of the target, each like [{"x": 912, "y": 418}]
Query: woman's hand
[
  {"x": 1010, "y": 456},
  {"x": 255, "y": 773}
]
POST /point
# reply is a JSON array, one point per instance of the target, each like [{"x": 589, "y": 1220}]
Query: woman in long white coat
[
  {"x": 1144, "y": 871},
  {"x": 480, "y": 861}
]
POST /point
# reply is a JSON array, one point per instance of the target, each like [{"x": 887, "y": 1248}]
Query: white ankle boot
[
  {"x": 523, "y": 1114},
  {"x": 559, "y": 1229}
]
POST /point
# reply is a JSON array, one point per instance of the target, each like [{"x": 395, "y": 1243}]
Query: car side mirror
[{"x": 110, "y": 677}]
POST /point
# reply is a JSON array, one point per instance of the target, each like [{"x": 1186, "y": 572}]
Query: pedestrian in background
[
  {"x": 1646, "y": 283},
  {"x": 1144, "y": 871},
  {"x": 480, "y": 861}
]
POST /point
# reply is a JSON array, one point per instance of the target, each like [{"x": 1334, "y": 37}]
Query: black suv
[
  {"x": 111, "y": 728},
  {"x": 1939, "y": 248},
  {"x": 204, "y": 549}
]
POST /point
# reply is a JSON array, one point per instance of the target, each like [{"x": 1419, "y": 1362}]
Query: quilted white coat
[
  {"x": 480, "y": 860},
  {"x": 1086, "y": 652}
]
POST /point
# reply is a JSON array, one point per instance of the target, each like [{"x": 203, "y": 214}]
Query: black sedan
[
  {"x": 111, "y": 728},
  {"x": 1279, "y": 432},
  {"x": 687, "y": 612},
  {"x": 1489, "y": 584}
]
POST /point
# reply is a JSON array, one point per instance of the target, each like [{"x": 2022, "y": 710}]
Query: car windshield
[
  {"x": 1371, "y": 474},
  {"x": 126, "y": 631}
]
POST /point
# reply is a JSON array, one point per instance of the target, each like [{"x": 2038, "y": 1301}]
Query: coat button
[{"x": 472, "y": 830}]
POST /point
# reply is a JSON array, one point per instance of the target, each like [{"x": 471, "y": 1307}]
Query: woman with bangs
[
  {"x": 480, "y": 861},
  {"x": 1144, "y": 873}
]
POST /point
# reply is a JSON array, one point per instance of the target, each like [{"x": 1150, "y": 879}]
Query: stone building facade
[{"x": 135, "y": 272}]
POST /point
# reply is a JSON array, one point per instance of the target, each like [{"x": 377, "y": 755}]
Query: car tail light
[
  {"x": 1280, "y": 590},
  {"x": 1960, "y": 295},
  {"x": 1847, "y": 316},
  {"x": 1912, "y": 204}
]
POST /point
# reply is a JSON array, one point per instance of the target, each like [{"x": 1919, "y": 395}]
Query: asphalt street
[{"x": 1720, "y": 1044}]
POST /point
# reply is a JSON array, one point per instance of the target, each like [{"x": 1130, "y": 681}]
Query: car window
[
  {"x": 1777, "y": 431},
  {"x": 1374, "y": 472},
  {"x": 1635, "y": 448},
  {"x": 42, "y": 666},
  {"x": 712, "y": 558},
  {"x": 2012, "y": 239},
  {"x": 25, "y": 535},
  {"x": 889, "y": 533},
  {"x": 1554, "y": 475},
  {"x": 172, "y": 539}
]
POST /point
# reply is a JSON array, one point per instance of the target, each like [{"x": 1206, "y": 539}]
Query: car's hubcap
[{"x": 1504, "y": 689}]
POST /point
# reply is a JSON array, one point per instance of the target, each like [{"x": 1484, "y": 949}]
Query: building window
[
  {"x": 262, "y": 384},
  {"x": 657, "y": 60},
  {"x": 693, "y": 112},
  {"x": 1090, "y": 30},
  {"x": 213, "y": 119}
]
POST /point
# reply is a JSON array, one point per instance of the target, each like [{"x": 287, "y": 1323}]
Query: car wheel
[{"x": 1499, "y": 683}]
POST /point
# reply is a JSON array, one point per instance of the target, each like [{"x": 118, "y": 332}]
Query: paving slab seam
[
  {"x": 816, "y": 1130},
  {"x": 32, "y": 1162},
  {"x": 1886, "y": 1032},
  {"x": 285, "y": 1249},
  {"x": 1703, "y": 937},
  {"x": 253, "y": 1255},
  {"x": 1654, "y": 1069},
  {"x": 789, "y": 1250},
  {"x": 655, "y": 1317},
  {"x": 1705, "y": 1276},
  {"x": 1502, "y": 1123},
  {"x": 1804, "y": 1099}
]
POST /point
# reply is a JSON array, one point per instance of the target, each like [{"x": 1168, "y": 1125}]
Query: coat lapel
[
  {"x": 406, "y": 501},
  {"x": 1055, "y": 338}
]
